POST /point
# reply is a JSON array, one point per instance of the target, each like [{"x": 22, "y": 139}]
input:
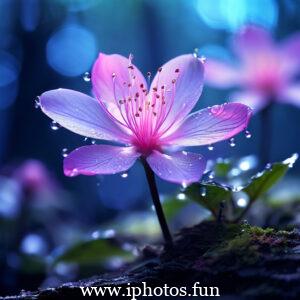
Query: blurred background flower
[{"x": 52, "y": 43}]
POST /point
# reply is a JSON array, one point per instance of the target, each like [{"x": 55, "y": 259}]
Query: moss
[{"x": 246, "y": 245}]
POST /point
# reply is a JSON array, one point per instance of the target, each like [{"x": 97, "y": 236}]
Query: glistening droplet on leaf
[
  {"x": 210, "y": 147},
  {"x": 211, "y": 175},
  {"x": 291, "y": 160},
  {"x": 202, "y": 191},
  {"x": 181, "y": 196},
  {"x": 124, "y": 175}
]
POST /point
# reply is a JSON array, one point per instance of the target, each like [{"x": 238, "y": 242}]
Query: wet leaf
[
  {"x": 263, "y": 181},
  {"x": 172, "y": 206},
  {"x": 96, "y": 251},
  {"x": 208, "y": 195},
  {"x": 222, "y": 168}
]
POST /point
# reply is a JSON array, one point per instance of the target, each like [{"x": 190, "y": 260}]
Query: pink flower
[
  {"x": 266, "y": 72},
  {"x": 146, "y": 121}
]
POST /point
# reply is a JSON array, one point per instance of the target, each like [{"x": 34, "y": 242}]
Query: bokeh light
[
  {"x": 9, "y": 68},
  {"x": 232, "y": 14},
  {"x": 71, "y": 50},
  {"x": 30, "y": 14}
]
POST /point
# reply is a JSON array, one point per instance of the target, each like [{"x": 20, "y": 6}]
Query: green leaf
[
  {"x": 264, "y": 180},
  {"x": 208, "y": 195},
  {"x": 95, "y": 251},
  {"x": 222, "y": 168},
  {"x": 172, "y": 206}
]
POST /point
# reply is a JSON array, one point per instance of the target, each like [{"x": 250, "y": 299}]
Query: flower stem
[
  {"x": 266, "y": 132},
  {"x": 158, "y": 208}
]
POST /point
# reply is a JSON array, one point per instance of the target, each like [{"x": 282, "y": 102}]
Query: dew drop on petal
[
  {"x": 87, "y": 76},
  {"x": 202, "y": 58},
  {"x": 74, "y": 172},
  {"x": 54, "y": 125},
  {"x": 184, "y": 184},
  {"x": 248, "y": 134},
  {"x": 37, "y": 103},
  {"x": 124, "y": 175},
  {"x": 232, "y": 142},
  {"x": 210, "y": 147},
  {"x": 195, "y": 53},
  {"x": 64, "y": 152}
]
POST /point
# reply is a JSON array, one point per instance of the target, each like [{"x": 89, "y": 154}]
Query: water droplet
[
  {"x": 109, "y": 233},
  {"x": 195, "y": 53},
  {"x": 291, "y": 160},
  {"x": 87, "y": 76},
  {"x": 248, "y": 134},
  {"x": 124, "y": 175},
  {"x": 37, "y": 103},
  {"x": 181, "y": 196},
  {"x": 211, "y": 175},
  {"x": 210, "y": 147},
  {"x": 96, "y": 234},
  {"x": 232, "y": 142},
  {"x": 74, "y": 172},
  {"x": 64, "y": 152},
  {"x": 93, "y": 142},
  {"x": 54, "y": 125},
  {"x": 184, "y": 184},
  {"x": 241, "y": 202},
  {"x": 202, "y": 58},
  {"x": 203, "y": 191},
  {"x": 268, "y": 166}
]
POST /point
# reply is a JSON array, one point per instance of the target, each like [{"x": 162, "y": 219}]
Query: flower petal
[
  {"x": 291, "y": 95},
  {"x": 291, "y": 47},
  {"x": 81, "y": 114},
  {"x": 221, "y": 74},
  {"x": 109, "y": 87},
  {"x": 188, "y": 86},
  {"x": 251, "y": 40},
  {"x": 211, "y": 125},
  {"x": 252, "y": 99},
  {"x": 99, "y": 159},
  {"x": 179, "y": 167}
]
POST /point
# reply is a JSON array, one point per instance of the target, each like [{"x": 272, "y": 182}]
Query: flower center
[{"x": 142, "y": 111}]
